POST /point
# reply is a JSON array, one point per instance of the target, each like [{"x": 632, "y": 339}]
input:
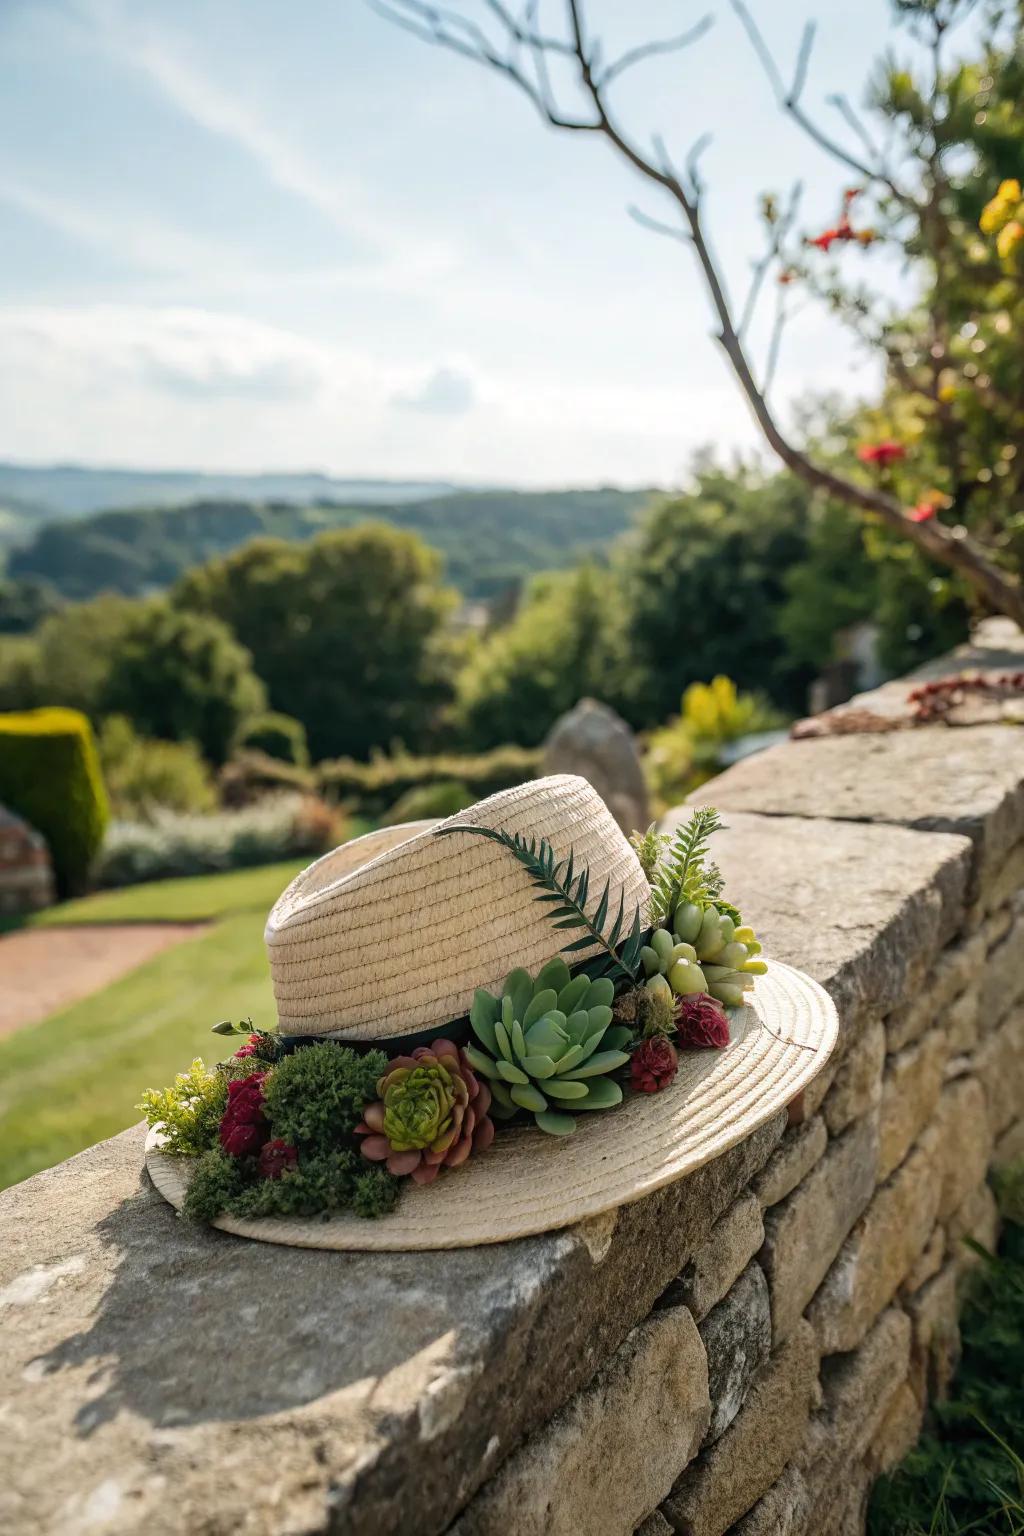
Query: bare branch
[
  {"x": 775, "y": 345},
  {"x": 526, "y": 31},
  {"x": 761, "y": 266},
  {"x": 693, "y": 164},
  {"x": 843, "y": 107},
  {"x": 656, "y": 225},
  {"x": 649, "y": 50}
]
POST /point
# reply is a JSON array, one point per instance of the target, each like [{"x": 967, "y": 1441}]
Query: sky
[{"x": 243, "y": 235}]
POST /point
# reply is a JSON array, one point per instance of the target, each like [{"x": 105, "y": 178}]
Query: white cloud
[{"x": 445, "y": 392}]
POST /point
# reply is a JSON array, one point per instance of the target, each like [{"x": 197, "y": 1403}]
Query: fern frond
[
  {"x": 684, "y": 873},
  {"x": 560, "y": 881}
]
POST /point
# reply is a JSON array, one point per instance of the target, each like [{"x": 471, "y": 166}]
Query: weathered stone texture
[
  {"x": 880, "y": 1251},
  {"x": 999, "y": 1061},
  {"x": 936, "y": 1336},
  {"x": 801, "y": 1147},
  {"x": 654, "y": 1525},
  {"x": 1002, "y": 984},
  {"x": 730, "y": 1477},
  {"x": 965, "y": 1142},
  {"x": 386, "y": 1388},
  {"x": 1008, "y": 1149},
  {"x": 613, "y": 1452},
  {"x": 910, "y": 1093},
  {"x": 731, "y": 1244},
  {"x": 929, "y": 1263},
  {"x": 737, "y": 1337},
  {"x": 805, "y": 1232},
  {"x": 595, "y": 742},
  {"x": 898, "y": 1432},
  {"x": 783, "y": 1511},
  {"x": 964, "y": 782},
  {"x": 857, "y": 1087},
  {"x": 977, "y": 1219},
  {"x": 950, "y": 974}
]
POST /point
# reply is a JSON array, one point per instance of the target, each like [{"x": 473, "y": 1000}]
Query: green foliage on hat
[
  {"x": 189, "y": 1111},
  {"x": 548, "y": 1046}
]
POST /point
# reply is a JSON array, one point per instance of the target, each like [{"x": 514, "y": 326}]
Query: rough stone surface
[
  {"x": 123, "y": 1378},
  {"x": 654, "y": 1525},
  {"x": 595, "y": 742},
  {"x": 910, "y": 1093},
  {"x": 977, "y": 1219},
  {"x": 1003, "y": 982},
  {"x": 859, "y": 908},
  {"x": 783, "y": 1511},
  {"x": 949, "y": 975},
  {"x": 737, "y": 1337},
  {"x": 731, "y": 1244},
  {"x": 880, "y": 1251},
  {"x": 965, "y": 1142},
  {"x": 929, "y": 1263},
  {"x": 968, "y": 782},
  {"x": 738, "y": 1469},
  {"x": 802, "y": 1146},
  {"x": 613, "y": 1452},
  {"x": 936, "y": 1338},
  {"x": 1006, "y": 882},
  {"x": 1000, "y": 1066},
  {"x": 898, "y": 1432},
  {"x": 962, "y": 1020},
  {"x": 857, "y": 1391},
  {"x": 857, "y": 1087},
  {"x": 1008, "y": 1149},
  {"x": 26, "y": 870},
  {"x": 805, "y": 1232}
]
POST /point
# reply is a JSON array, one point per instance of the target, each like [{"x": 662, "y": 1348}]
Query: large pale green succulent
[{"x": 539, "y": 1046}]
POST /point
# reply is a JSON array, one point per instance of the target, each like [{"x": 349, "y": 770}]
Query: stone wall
[
  {"x": 26, "y": 872},
  {"x": 744, "y": 1351}
]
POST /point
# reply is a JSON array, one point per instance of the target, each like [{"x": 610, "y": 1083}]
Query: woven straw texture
[
  {"x": 394, "y": 931},
  {"x": 528, "y": 1182}
]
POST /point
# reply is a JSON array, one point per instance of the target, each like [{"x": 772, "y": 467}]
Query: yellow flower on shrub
[
  {"x": 1001, "y": 208},
  {"x": 1009, "y": 237}
]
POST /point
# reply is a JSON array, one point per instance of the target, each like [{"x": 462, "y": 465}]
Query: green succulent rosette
[{"x": 547, "y": 1046}]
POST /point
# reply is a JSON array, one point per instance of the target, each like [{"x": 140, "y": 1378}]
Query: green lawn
[{"x": 77, "y": 1076}]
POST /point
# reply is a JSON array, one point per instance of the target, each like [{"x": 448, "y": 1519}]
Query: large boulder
[
  {"x": 595, "y": 742},
  {"x": 26, "y": 871}
]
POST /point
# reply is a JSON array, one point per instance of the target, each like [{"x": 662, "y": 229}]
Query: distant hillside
[{"x": 488, "y": 538}]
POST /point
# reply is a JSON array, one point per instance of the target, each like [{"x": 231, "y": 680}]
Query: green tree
[
  {"x": 182, "y": 676},
  {"x": 565, "y": 642},
  {"x": 347, "y": 631},
  {"x": 704, "y": 583}
]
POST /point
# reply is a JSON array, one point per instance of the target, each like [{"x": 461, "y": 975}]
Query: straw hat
[{"x": 392, "y": 933}]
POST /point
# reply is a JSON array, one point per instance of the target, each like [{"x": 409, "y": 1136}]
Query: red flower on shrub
[
  {"x": 701, "y": 1023},
  {"x": 276, "y": 1157},
  {"x": 922, "y": 512},
  {"x": 249, "y": 1048},
  {"x": 244, "y": 1126},
  {"x": 653, "y": 1065},
  {"x": 882, "y": 454}
]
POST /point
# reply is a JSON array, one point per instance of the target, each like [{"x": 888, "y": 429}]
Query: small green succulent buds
[{"x": 547, "y": 1045}]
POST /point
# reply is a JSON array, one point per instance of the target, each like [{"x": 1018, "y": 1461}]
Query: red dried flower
[
  {"x": 701, "y": 1023},
  {"x": 922, "y": 512},
  {"x": 826, "y": 239},
  {"x": 244, "y": 1126},
  {"x": 653, "y": 1065},
  {"x": 884, "y": 453},
  {"x": 249, "y": 1048},
  {"x": 276, "y": 1157}
]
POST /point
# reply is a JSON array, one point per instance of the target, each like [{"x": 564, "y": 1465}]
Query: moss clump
[{"x": 315, "y": 1096}]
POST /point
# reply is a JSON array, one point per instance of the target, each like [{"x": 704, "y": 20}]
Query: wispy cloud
[{"x": 445, "y": 392}]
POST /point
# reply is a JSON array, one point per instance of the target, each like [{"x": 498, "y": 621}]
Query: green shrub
[
  {"x": 251, "y": 776},
  {"x": 371, "y": 789},
  {"x": 144, "y": 775},
  {"x": 50, "y": 774},
  {"x": 278, "y": 736},
  {"x": 430, "y": 800},
  {"x": 170, "y": 845},
  {"x": 687, "y": 751}
]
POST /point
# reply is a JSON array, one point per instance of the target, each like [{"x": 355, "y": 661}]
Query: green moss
[
  {"x": 315, "y": 1096},
  {"x": 323, "y": 1182},
  {"x": 50, "y": 775},
  {"x": 214, "y": 1184}
]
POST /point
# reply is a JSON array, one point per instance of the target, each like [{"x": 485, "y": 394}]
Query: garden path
[{"x": 44, "y": 969}]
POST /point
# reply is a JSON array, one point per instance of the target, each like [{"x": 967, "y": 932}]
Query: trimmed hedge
[
  {"x": 276, "y": 735},
  {"x": 371, "y": 789},
  {"x": 50, "y": 775}
]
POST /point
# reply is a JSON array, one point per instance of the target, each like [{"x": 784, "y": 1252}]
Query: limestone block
[
  {"x": 1006, "y": 882},
  {"x": 857, "y": 907},
  {"x": 654, "y": 1525},
  {"x": 805, "y": 1231},
  {"x": 965, "y": 1142},
  {"x": 858, "y": 1082},
  {"x": 961, "y": 1019},
  {"x": 936, "y": 1338},
  {"x": 731, "y": 1244},
  {"x": 898, "y": 1432},
  {"x": 1000, "y": 1066},
  {"x": 783, "y": 1510},
  {"x": 950, "y": 973},
  {"x": 966, "y": 782},
  {"x": 1008, "y": 1149},
  {"x": 789, "y": 1164},
  {"x": 383, "y": 1393},
  {"x": 1002, "y": 984},
  {"x": 729, "y": 1478},
  {"x": 977, "y": 1219},
  {"x": 910, "y": 1092},
  {"x": 737, "y": 1337},
  {"x": 929, "y": 1263},
  {"x": 612, "y": 1452},
  {"x": 880, "y": 1251}
]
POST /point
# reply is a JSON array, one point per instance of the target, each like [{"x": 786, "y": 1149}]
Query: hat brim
[{"x": 528, "y": 1182}]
